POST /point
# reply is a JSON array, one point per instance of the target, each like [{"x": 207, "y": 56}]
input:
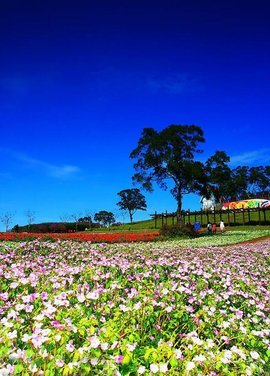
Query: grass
[{"x": 149, "y": 225}]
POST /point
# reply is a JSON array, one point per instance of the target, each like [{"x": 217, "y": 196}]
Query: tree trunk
[
  {"x": 179, "y": 197},
  {"x": 130, "y": 216}
]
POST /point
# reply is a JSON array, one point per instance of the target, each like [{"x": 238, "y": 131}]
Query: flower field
[
  {"x": 74, "y": 308},
  {"x": 95, "y": 237}
]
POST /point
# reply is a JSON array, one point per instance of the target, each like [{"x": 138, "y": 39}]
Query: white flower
[
  {"x": 104, "y": 346},
  {"x": 210, "y": 343},
  {"x": 163, "y": 367},
  {"x": 178, "y": 354},
  {"x": 197, "y": 340},
  {"x": 59, "y": 363},
  {"x": 169, "y": 309},
  {"x": 154, "y": 368},
  {"x": 190, "y": 366},
  {"x": 12, "y": 335},
  {"x": 6, "y": 323},
  {"x": 141, "y": 370},
  {"x": 33, "y": 368},
  {"x": 81, "y": 298},
  {"x": 4, "y": 371},
  {"x": 225, "y": 324},
  {"x": 124, "y": 308},
  {"x": 137, "y": 306},
  {"x": 70, "y": 347},
  {"x": 94, "y": 342},
  {"x": 131, "y": 347},
  {"x": 254, "y": 355},
  {"x": 199, "y": 358},
  {"x": 39, "y": 317},
  {"x": 114, "y": 344},
  {"x": 94, "y": 361},
  {"x": 92, "y": 295}
]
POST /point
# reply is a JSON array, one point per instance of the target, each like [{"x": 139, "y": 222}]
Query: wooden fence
[{"x": 231, "y": 217}]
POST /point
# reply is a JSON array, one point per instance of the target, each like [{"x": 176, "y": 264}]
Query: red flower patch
[{"x": 95, "y": 237}]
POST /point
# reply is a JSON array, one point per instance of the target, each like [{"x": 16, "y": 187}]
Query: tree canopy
[
  {"x": 104, "y": 217},
  {"x": 170, "y": 155},
  {"x": 131, "y": 201}
]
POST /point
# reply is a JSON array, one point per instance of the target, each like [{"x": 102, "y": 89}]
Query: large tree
[
  {"x": 104, "y": 217},
  {"x": 240, "y": 183},
  {"x": 170, "y": 155},
  {"x": 219, "y": 176},
  {"x": 131, "y": 201},
  {"x": 259, "y": 180}
]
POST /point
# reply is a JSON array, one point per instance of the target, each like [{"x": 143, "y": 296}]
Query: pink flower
[
  {"x": 94, "y": 342},
  {"x": 59, "y": 363},
  {"x": 92, "y": 295},
  {"x": 118, "y": 359},
  {"x": 81, "y": 298},
  {"x": 70, "y": 347}
]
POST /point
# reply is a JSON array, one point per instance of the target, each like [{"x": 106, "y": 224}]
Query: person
[
  {"x": 209, "y": 228},
  {"x": 222, "y": 226},
  {"x": 214, "y": 228}
]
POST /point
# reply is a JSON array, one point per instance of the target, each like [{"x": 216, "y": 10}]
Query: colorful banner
[{"x": 247, "y": 204}]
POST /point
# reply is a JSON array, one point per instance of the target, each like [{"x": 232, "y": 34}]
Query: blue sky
[{"x": 79, "y": 80}]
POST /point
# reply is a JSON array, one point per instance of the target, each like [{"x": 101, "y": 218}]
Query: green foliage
[
  {"x": 178, "y": 230},
  {"x": 104, "y": 217},
  {"x": 57, "y": 227},
  {"x": 169, "y": 154},
  {"x": 131, "y": 201}
]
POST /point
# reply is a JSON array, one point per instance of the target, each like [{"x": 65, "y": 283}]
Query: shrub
[{"x": 178, "y": 230}]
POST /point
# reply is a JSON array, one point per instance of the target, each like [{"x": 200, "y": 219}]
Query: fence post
[
  {"x": 201, "y": 217},
  {"x": 234, "y": 219},
  {"x": 166, "y": 217},
  {"x": 155, "y": 219},
  {"x": 243, "y": 212},
  {"x": 162, "y": 219},
  {"x": 228, "y": 213}
]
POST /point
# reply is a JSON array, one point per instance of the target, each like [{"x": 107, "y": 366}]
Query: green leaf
[
  {"x": 126, "y": 359},
  {"x": 174, "y": 362}
]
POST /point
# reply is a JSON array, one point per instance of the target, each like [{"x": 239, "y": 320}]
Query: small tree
[
  {"x": 6, "y": 219},
  {"x": 131, "y": 201},
  {"x": 64, "y": 217},
  {"x": 104, "y": 217},
  {"x": 30, "y": 218},
  {"x": 88, "y": 217},
  {"x": 76, "y": 217}
]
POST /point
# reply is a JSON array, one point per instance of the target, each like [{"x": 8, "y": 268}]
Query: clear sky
[{"x": 79, "y": 80}]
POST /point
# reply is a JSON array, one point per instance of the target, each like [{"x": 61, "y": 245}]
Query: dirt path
[{"x": 255, "y": 240}]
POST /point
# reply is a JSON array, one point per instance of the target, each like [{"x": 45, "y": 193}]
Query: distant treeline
[{"x": 55, "y": 227}]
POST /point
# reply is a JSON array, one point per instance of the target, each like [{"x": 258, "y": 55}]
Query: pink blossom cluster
[{"x": 80, "y": 308}]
